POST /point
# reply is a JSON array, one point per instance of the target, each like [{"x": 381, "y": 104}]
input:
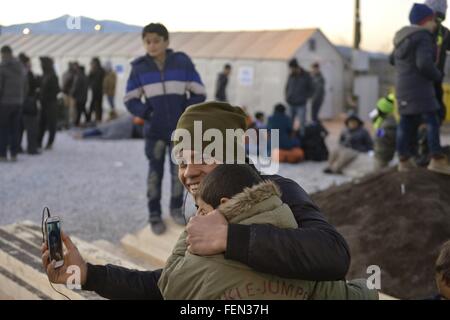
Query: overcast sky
[{"x": 381, "y": 18}]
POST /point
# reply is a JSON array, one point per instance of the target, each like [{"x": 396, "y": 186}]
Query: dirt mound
[{"x": 400, "y": 229}]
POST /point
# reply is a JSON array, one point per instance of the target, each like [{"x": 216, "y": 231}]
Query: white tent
[{"x": 258, "y": 58}]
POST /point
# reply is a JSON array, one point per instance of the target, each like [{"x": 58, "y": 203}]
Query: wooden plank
[{"x": 150, "y": 247}]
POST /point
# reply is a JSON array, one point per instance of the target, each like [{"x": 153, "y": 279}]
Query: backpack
[{"x": 314, "y": 142}]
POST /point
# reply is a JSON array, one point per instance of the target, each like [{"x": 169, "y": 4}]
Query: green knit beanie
[{"x": 211, "y": 115}]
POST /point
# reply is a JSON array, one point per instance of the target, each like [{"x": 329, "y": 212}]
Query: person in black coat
[
  {"x": 79, "y": 93},
  {"x": 222, "y": 82},
  {"x": 30, "y": 110},
  {"x": 96, "y": 77},
  {"x": 48, "y": 97},
  {"x": 416, "y": 73}
]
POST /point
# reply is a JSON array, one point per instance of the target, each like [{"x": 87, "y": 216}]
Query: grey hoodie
[
  {"x": 414, "y": 60},
  {"x": 13, "y": 82}
]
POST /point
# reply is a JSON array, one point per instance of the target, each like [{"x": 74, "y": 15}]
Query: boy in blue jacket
[{"x": 169, "y": 84}]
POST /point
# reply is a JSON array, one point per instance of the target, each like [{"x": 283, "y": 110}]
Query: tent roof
[{"x": 270, "y": 45}]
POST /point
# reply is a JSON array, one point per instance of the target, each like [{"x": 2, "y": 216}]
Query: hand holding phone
[{"x": 71, "y": 257}]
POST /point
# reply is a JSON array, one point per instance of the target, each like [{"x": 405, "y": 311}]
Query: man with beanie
[
  {"x": 442, "y": 40},
  {"x": 314, "y": 251},
  {"x": 416, "y": 73},
  {"x": 169, "y": 82}
]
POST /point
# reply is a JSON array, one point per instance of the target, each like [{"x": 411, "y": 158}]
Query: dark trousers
[
  {"x": 407, "y": 134},
  {"x": 47, "y": 122},
  {"x": 315, "y": 109},
  {"x": 30, "y": 125},
  {"x": 156, "y": 151},
  {"x": 80, "y": 109},
  {"x": 97, "y": 107},
  {"x": 9, "y": 129}
]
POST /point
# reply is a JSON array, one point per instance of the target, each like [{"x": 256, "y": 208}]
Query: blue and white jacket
[{"x": 167, "y": 93}]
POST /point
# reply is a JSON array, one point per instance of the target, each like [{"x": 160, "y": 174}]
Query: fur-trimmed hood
[{"x": 261, "y": 203}]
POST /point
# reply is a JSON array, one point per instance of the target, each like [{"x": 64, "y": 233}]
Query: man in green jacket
[{"x": 244, "y": 198}]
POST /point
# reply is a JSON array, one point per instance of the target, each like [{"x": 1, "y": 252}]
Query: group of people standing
[
  {"x": 28, "y": 103},
  {"x": 76, "y": 85}
]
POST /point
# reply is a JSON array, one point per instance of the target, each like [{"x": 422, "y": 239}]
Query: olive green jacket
[{"x": 187, "y": 276}]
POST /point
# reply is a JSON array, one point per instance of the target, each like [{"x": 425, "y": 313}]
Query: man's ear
[{"x": 224, "y": 200}]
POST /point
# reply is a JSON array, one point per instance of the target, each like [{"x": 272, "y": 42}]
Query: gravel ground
[{"x": 99, "y": 187}]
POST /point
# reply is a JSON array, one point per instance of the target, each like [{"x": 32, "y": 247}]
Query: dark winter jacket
[
  {"x": 414, "y": 60},
  {"x": 357, "y": 139},
  {"x": 299, "y": 89},
  {"x": 319, "y": 88},
  {"x": 221, "y": 86},
  {"x": 314, "y": 251},
  {"x": 30, "y": 103},
  {"x": 283, "y": 123},
  {"x": 49, "y": 89},
  {"x": 80, "y": 87},
  {"x": 166, "y": 92},
  {"x": 96, "y": 82},
  {"x": 13, "y": 82}
]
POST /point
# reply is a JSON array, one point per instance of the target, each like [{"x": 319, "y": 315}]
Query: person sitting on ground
[
  {"x": 243, "y": 197},
  {"x": 385, "y": 126},
  {"x": 354, "y": 139},
  {"x": 442, "y": 273},
  {"x": 289, "y": 146},
  {"x": 123, "y": 127}
]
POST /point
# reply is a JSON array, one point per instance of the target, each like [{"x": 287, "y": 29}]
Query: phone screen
[{"x": 54, "y": 240}]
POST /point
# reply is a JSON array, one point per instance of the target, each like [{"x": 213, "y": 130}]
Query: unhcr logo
[
  {"x": 212, "y": 146},
  {"x": 73, "y": 23}
]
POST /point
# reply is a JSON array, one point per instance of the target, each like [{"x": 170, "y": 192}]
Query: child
[
  {"x": 443, "y": 272},
  {"x": 416, "y": 72},
  {"x": 354, "y": 139},
  {"x": 170, "y": 83},
  {"x": 243, "y": 198},
  {"x": 385, "y": 127}
]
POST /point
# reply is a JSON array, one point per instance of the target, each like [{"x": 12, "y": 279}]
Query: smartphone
[{"x": 54, "y": 241}]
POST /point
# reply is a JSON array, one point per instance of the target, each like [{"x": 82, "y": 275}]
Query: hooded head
[{"x": 47, "y": 65}]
